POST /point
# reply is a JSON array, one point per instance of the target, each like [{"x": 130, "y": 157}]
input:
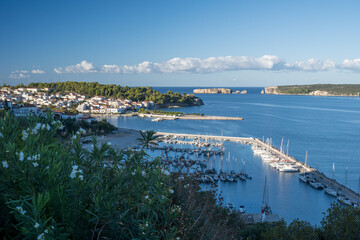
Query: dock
[{"x": 303, "y": 168}]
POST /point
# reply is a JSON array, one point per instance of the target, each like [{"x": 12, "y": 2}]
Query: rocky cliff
[{"x": 213, "y": 91}]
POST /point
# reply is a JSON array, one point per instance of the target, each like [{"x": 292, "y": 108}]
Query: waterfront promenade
[{"x": 315, "y": 174}]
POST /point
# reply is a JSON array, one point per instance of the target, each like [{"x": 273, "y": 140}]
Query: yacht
[{"x": 230, "y": 205}]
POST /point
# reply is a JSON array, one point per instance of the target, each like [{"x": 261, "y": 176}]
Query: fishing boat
[
  {"x": 242, "y": 209},
  {"x": 331, "y": 191}
]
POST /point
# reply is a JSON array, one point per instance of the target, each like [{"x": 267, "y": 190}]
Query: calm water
[{"x": 327, "y": 127}]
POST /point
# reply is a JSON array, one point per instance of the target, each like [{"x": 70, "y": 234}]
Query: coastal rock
[
  {"x": 271, "y": 90},
  {"x": 213, "y": 91},
  {"x": 319, "y": 93},
  {"x": 240, "y": 92}
]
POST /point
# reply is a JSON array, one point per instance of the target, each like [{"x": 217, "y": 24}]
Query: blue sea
[{"x": 327, "y": 128}]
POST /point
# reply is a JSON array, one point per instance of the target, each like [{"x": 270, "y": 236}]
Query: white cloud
[
  {"x": 313, "y": 65},
  {"x": 83, "y": 67},
  {"x": 213, "y": 64},
  {"x": 353, "y": 64},
  {"x": 19, "y": 74},
  {"x": 37, "y": 71}
]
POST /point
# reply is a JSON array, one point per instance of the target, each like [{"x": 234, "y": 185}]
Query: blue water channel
[{"x": 326, "y": 127}]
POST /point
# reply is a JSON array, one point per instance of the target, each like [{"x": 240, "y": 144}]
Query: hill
[{"x": 317, "y": 90}]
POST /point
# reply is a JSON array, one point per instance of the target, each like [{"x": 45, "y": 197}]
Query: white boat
[
  {"x": 316, "y": 184},
  {"x": 242, "y": 209},
  {"x": 344, "y": 200},
  {"x": 265, "y": 208},
  {"x": 157, "y": 120},
  {"x": 331, "y": 191},
  {"x": 287, "y": 168}
]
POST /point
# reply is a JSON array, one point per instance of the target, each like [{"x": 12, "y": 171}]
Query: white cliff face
[
  {"x": 319, "y": 93},
  {"x": 271, "y": 90},
  {"x": 213, "y": 91}
]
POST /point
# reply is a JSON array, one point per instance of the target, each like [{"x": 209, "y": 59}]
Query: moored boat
[
  {"x": 344, "y": 200},
  {"x": 242, "y": 209},
  {"x": 316, "y": 184},
  {"x": 331, "y": 191}
]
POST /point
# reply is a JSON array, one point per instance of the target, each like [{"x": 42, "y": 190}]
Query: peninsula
[{"x": 352, "y": 90}]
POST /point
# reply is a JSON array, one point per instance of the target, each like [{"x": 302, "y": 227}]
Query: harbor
[{"x": 276, "y": 158}]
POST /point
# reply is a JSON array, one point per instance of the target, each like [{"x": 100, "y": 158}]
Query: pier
[
  {"x": 190, "y": 117},
  {"x": 303, "y": 168}
]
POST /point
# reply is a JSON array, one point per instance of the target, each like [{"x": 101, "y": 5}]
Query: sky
[{"x": 180, "y": 43}]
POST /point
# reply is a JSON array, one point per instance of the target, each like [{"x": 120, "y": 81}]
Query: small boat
[
  {"x": 242, "y": 209},
  {"x": 216, "y": 178},
  {"x": 157, "y": 120},
  {"x": 316, "y": 184},
  {"x": 242, "y": 177},
  {"x": 229, "y": 178},
  {"x": 230, "y": 205},
  {"x": 331, "y": 191},
  {"x": 304, "y": 177},
  {"x": 344, "y": 200},
  {"x": 222, "y": 178}
]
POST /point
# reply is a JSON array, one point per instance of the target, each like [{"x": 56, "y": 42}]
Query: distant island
[
  {"x": 352, "y": 90},
  {"x": 218, "y": 91}
]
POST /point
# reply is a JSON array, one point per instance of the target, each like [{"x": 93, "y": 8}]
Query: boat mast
[
  {"x": 333, "y": 170},
  {"x": 306, "y": 157},
  {"x": 287, "y": 147}
]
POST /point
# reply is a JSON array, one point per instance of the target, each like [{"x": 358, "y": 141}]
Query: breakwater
[
  {"x": 303, "y": 168},
  {"x": 190, "y": 117}
]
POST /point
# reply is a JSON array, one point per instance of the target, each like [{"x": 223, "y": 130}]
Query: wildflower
[
  {"x": 146, "y": 224},
  {"x": 28, "y": 158},
  {"x": 34, "y": 131},
  {"x": 5, "y": 164},
  {"x": 81, "y": 130},
  {"x": 38, "y": 126},
  {"x": 1, "y": 135},
  {"x": 41, "y": 236},
  {"x": 21, "y": 156},
  {"x": 21, "y": 210},
  {"x": 133, "y": 173},
  {"x": 24, "y": 135},
  {"x": 61, "y": 127},
  {"x": 47, "y": 127},
  {"x": 35, "y": 164},
  {"x": 46, "y": 231},
  {"x": 36, "y": 225},
  {"x": 52, "y": 227},
  {"x": 53, "y": 122},
  {"x": 73, "y": 137},
  {"x": 166, "y": 172},
  {"x": 143, "y": 173},
  {"x": 171, "y": 191},
  {"x": 146, "y": 197},
  {"x": 81, "y": 177}
]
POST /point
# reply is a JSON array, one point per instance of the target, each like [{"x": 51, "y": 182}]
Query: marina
[{"x": 277, "y": 158}]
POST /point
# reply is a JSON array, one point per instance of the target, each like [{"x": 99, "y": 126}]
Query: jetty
[
  {"x": 302, "y": 167},
  {"x": 189, "y": 117}
]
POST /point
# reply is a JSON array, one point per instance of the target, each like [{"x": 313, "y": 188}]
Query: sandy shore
[{"x": 121, "y": 138}]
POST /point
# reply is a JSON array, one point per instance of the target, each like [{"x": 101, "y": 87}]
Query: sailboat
[{"x": 265, "y": 208}]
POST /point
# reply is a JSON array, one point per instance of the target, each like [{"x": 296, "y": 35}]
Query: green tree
[
  {"x": 341, "y": 222},
  {"x": 147, "y": 138}
]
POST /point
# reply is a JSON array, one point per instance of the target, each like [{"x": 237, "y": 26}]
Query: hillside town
[{"x": 23, "y": 101}]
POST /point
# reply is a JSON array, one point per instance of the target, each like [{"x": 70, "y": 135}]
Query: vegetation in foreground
[
  {"x": 52, "y": 190},
  {"x": 335, "y": 89},
  {"x": 91, "y": 89}
]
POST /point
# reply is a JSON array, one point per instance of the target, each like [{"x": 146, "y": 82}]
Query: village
[{"x": 27, "y": 101}]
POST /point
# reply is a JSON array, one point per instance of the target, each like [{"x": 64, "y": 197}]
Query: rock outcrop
[
  {"x": 271, "y": 90},
  {"x": 213, "y": 91},
  {"x": 240, "y": 92}
]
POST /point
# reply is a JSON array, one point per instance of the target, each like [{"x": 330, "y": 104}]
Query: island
[
  {"x": 352, "y": 90},
  {"x": 218, "y": 91}
]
